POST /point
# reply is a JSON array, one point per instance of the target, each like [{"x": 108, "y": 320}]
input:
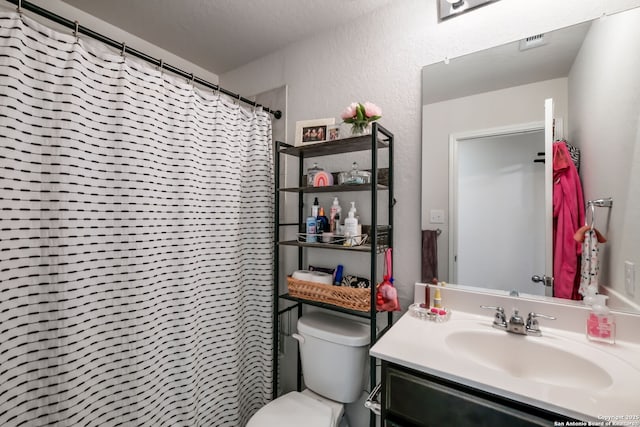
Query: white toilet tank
[{"x": 334, "y": 352}]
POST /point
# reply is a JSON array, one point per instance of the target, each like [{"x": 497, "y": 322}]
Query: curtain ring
[
  {"x": 124, "y": 49},
  {"x": 217, "y": 92},
  {"x": 19, "y": 8},
  {"x": 191, "y": 81},
  {"x": 75, "y": 31},
  {"x": 161, "y": 66}
]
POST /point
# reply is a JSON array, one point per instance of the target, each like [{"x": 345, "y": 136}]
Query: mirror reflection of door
[{"x": 499, "y": 228}]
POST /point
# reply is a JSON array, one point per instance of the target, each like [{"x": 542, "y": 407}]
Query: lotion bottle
[
  {"x": 351, "y": 226},
  {"x": 601, "y": 325}
]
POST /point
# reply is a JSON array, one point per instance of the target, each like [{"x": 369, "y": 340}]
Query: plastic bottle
[
  {"x": 437, "y": 299},
  {"x": 601, "y": 325},
  {"x": 323, "y": 222},
  {"x": 351, "y": 226},
  {"x": 338, "y": 275},
  {"x": 312, "y": 223},
  {"x": 333, "y": 213}
]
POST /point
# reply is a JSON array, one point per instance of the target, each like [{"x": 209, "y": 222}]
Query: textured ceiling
[{"x": 220, "y": 35}]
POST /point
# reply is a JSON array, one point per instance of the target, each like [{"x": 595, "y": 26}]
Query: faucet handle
[
  {"x": 516, "y": 318},
  {"x": 532, "y": 326},
  {"x": 500, "y": 320}
]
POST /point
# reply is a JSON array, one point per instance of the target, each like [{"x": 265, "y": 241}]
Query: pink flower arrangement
[{"x": 361, "y": 115}]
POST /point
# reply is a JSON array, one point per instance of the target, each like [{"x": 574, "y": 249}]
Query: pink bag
[{"x": 386, "y": 294}]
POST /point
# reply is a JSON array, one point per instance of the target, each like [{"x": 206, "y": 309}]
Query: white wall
[
  {"x": 604, "y": 100},
  {"x": 475, "y": 112},
  {"x": 379, "y": 58}
]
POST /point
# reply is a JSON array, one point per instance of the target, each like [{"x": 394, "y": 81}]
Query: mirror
[{"x": 590, "y": 70}]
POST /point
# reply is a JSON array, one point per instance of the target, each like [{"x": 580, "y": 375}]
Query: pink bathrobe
[{"x": 568, "y": 216}]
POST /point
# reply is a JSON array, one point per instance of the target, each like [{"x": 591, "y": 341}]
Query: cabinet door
[{"x": 410, "y": 400}]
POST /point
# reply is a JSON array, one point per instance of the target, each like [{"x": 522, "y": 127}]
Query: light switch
[
  {"x": 436, "y": 216},
  {"x": 630, "y": 278}
]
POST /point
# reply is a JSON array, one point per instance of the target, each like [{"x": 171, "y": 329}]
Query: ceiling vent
[{"x": 533, "y": 41}]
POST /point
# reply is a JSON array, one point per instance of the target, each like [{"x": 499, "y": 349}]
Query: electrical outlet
[
  {"x": 630, "y": 278},
  {"x": 436, "y": 216}
]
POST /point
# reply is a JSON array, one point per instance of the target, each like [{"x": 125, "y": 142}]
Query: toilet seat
[{"x": 294, "y": 410}]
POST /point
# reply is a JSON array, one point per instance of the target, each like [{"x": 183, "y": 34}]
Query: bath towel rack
[
  {"x": 598, "y": 203},
  {"x": 601, "y": 203}
]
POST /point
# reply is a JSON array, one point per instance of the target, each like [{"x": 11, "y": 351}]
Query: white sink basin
[
  {"x": 561, "y": 371},
  {"x": 538, "y": 359}
]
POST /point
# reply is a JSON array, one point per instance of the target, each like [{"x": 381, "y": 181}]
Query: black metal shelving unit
[{"x": 380, "y": 140}]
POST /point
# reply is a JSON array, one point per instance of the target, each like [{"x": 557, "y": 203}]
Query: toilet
[{"x": 333, "y": 351}]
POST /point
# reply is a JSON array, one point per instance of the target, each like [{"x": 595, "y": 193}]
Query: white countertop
[{"x": 422, "y": 345}]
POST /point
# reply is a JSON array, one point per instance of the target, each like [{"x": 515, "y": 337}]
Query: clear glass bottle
[
  {"x": 354, "y": 175},
  {"x": 311, "y": 172}
]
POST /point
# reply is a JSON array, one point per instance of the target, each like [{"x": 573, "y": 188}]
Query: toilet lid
[{"x": 292, "y": 410}]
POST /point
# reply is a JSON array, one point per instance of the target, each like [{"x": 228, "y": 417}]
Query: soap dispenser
[
  {"x": 601, "y": 325},
  {"x": 590, "y": 294},
  {"x": 351, "y": 226}
]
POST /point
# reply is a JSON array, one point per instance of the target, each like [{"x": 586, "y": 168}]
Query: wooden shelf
[
  {"x": 361, "y": 248},
  {"x": 364, "y": 314},
  {"x": 344, "y": 145},
  {"x": 334, "y": 188}
]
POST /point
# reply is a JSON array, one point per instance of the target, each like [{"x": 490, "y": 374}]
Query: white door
[
  {"x": 498, "y": 224},
  {"x": 548, "y": 185}
]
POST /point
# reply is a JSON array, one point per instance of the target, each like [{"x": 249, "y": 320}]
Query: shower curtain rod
[{"x": 79, "y": 29}]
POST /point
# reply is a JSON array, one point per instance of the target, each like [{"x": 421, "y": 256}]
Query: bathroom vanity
[
  {"x": 414, "y": 398},
  {"x": 465, "y": 372}
]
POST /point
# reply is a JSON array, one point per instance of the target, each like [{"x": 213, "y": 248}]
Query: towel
[
  {"x": 590, "y": 268},
  {"x": 429, "y": 255}
]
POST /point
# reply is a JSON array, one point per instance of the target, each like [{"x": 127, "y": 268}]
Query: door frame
[{"x": 454, "y": 140}]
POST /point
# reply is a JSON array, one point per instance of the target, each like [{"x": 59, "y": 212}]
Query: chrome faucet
[
  {"x": 532, "y": 327},
  {"x": 516, "y": 323}
]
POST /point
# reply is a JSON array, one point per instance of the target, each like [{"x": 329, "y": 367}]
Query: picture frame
[
  {"x": 312, "y": 131},
  {"x": 333, "y": 132}
]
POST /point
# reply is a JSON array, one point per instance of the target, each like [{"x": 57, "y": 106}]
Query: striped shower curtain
[{"x": 135, "y": 242}]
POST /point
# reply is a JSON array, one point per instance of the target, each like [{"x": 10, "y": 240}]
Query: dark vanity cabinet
[{"x": 415, "y": 399}]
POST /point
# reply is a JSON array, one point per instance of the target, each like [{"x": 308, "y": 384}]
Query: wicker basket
[{"x": 358, "y": 299}]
